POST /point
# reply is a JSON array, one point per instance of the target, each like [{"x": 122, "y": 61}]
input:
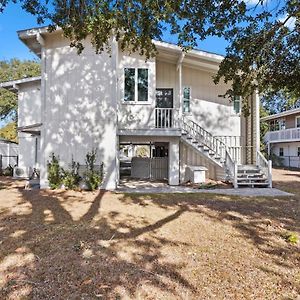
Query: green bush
[
  {"x": 8, "y": 171},
  {"x": 54, "y": 172},
  {"x": 92, "y": 176},
  {"x": 71, "y": 178}
]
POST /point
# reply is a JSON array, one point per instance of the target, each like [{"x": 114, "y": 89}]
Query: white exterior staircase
[{"x": 217, "y": 152}]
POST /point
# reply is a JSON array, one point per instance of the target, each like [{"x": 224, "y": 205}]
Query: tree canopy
[
  {"x": 263, "y": 35},
  {"x": 12, "y": 70}
]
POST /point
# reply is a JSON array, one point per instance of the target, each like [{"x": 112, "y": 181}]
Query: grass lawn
[{"x": 72, "y": 245}]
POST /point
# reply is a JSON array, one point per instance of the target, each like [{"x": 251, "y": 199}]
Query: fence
[
  {"x": 288, "y": 161},
  {"x": 8, "y": 161}
]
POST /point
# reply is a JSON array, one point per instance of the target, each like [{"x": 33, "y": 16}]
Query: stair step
[
  {"x": 259, "y": 175},
  {"x": 253, "y": 184},
  {"x": 251, "y": 179}
]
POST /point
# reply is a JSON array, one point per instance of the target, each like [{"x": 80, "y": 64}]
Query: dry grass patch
[{"x": 72, "y": 245}]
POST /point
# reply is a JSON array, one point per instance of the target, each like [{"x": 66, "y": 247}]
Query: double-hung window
[
  {"x": 136, "y": 85},
  {"x": 237, "y": 104},
  {"x": 186, "y": 99},
  {"x": 298, "y": 151}
]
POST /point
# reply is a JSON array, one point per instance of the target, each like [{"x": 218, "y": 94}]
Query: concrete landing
[{"x": 244, "y": 192}]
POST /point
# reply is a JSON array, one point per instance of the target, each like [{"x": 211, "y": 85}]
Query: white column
[
  {"x": 257, "y": 119},
  {"x": 44, "y": 183},
  {"x": 174, "y": 162}
]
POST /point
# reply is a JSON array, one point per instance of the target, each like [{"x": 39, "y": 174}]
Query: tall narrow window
[
  {"x": 298, "y": 122},
  {"x": 186, "y": 99},
  {"x": 298, "y": 151},
  {"x": 237, "y": 104},
  {"x": 281, "y": 152},
  {"x": 129, "y": 94},
  {"x": 142, "y": 84}
]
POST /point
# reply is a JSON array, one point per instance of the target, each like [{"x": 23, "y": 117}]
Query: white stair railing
[
  {"x": 265, "y": 165},
  {"x": 214, "y": 144}
]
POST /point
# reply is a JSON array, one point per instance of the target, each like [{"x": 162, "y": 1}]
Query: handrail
[
  {"x": 265, "y": 165},
  {"x": 214, "y": 144}
]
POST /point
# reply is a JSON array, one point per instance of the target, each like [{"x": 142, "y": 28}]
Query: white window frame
[
  {"x": 296, "y": 118},
  {"x": 187, "y": 112},
  {"x": 135, "y": 86}
]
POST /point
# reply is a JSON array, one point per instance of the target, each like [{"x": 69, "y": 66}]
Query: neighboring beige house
[
  {"x": 283, "y": 137},
  {"x": 168, "y": 104}
]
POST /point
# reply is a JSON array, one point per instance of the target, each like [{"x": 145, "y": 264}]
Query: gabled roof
[
  {"x": 281, "y": 114},
  {"x": 13, "y": 84},
  {"x": 33, "y": 39}
]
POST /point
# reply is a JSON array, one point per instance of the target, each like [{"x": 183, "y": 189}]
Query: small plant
[
  {"x": 71, "y": 178},
  {"x": 291, "y": 237},
  {"x": 8, "y": 171},
  {"x": 93, "y": 177},
  {"x": 54, "y": 172}
]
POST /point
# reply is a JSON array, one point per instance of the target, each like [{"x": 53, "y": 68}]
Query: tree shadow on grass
[
  {"x": 261, "y": 220},
  {"x": 61, "y": 258}
]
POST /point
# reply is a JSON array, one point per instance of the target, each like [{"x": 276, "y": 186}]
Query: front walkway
[{"x": 146, "y": 187}]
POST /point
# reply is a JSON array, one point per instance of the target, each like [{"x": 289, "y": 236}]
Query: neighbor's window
[
  {"x": 278, "y": 124},
  {"x": 281, "y": 153},
  {"x": 237, "y": 104},
  {"x": 136, "y": 84},
  {"x": 298, "y": 122},
  {"x": 298, "y": 151},
  {"x": 186, "y": 99}
]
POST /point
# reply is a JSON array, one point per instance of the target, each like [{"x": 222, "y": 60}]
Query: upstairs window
[
  {"x": 278, "y": 124},
  {"x": 186, "y": 99},
  {"x": 135, "y": 85},
  {"x": 298, "y": 122},
  {"x": 298, "y": 151},
  {"x": 237, "y": 104}
]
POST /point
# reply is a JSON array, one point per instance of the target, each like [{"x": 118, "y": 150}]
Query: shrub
[
  {"x": 71, "y": 178},
  {"x": 92, "y": 176},
  {"x": 54, "y": 172},
  {"x": 8, "y": 171}
]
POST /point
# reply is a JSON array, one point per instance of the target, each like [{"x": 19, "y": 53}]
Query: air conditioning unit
[{"x": 22, "y": 172}]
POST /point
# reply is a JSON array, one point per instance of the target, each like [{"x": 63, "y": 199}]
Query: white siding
[
  {"x": 80, "y": 106},
  {"x": 27, "y": 150},
  {"x": 213, "y": 113},
  {"x": 29, "y": 104},
  {"x": 136, "y": 115}
]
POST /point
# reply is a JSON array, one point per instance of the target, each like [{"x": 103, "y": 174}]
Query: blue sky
[{"x": 14, "y": 18}]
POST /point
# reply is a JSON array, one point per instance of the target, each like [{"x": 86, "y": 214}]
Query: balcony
[
  {"x": 286, "y": 135},
  {"x": 161, "y": 122}
]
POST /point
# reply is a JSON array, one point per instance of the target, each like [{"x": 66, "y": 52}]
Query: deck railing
[
  {"x": 164, "y": 118},
  {"x": 283, "y": 135}
]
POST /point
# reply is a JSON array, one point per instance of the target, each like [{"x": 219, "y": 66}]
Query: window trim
[
  {"x": 190, "y": 111},
  {"x": 296, "y": 118},
  {"x": 135, "y": 102}
]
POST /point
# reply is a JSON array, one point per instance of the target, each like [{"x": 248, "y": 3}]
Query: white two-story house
[
  {"x": 118, "y": 100},
  {"x": 283, "y": 137}
]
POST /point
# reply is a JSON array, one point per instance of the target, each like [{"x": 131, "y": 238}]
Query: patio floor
[{"x": 144, "y": 186}]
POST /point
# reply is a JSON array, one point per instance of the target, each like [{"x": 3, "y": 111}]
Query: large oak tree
[{"x": 263, "y": 35}]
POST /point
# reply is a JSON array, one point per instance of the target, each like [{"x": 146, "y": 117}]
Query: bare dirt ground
[{"x": 81, "y": 245}]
